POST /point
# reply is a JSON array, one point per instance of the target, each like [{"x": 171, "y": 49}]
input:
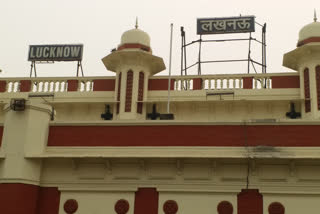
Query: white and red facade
[{"x": 231, "y": 148}]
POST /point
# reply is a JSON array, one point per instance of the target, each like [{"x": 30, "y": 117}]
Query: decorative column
[
  {"x": 146, "y": 201},
  {"x": 306, "y": 60},
  {"x": 250, "y": 201},
  {"x": 133, "y": 64},
  {"x": 25, "y": 133}
]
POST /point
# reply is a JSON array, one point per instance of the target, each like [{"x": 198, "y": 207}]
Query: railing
[
  {"x": 84, "y": 85},
  {"x": 50, "y": 84},
  {"x": 224, "y": 82},
  {"x": 180, "y": 83}
]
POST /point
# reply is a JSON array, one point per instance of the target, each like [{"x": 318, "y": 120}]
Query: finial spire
[
  {"x": 136, "y": 23},
  {"x": 315, "y": 15}
]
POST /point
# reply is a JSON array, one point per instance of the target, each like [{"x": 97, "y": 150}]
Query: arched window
[
  {"x": 118, "y": 94},
  {"x": 307, "y": 90},
  {"x": 225, "y": 207},
  {"x": 129, "y": 91},
  {"x": 140, "y": 92},
  {"x": 318, "y": 84}
]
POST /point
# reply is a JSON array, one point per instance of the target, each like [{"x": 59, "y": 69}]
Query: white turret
[
  {"x": 306, "y": 60},
  {"x": 133, "y": 63}
]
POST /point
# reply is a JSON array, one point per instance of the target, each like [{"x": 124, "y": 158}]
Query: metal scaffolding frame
[{"x": 252, "y": 62}]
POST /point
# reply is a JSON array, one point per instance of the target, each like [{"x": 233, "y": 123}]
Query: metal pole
[
  {"x": 265, "y": 46},
  {"x": 249, "y": 54},
  {"x": 182, "y": 35},
  {"x": 170, "y": 59},
  {"x": 81, "y": 69},
  {"x": 262, "y": 49},
  {"x": 78, "y": 68},
  {"x": 31, "y": 69},
  {"x": 185, "y": 54},
  {"x": 199, "y": 59},
  {"x": 35, "y": 70}
]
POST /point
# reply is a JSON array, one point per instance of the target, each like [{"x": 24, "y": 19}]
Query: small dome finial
[
  {"x": 315, "y": 16},
  {"x": 136, "y": 23}
]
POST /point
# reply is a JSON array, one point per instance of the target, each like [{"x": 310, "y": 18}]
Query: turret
[
  {"x": 133, "y": 63},
  {"x": 306, "y": 60}
]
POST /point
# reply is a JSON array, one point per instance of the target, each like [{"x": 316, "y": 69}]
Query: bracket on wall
[
  {"x": 292, "y": 168},
  {"x": 107, "y": 115},
  {"x": 292, "y": 113},
  {"x": 18, "y": 104},
  {"x": 179, "y": 165},
  {"x": 154, "y": 114},
  {"x": 220, "y": 94},
  {"x": 253, "y": 166},
  {"x": 143, "y": 164},
  {"x": 214, "y": 165},
  {"x": 108, "y": 166},
  {"x": 74, "y": 163}
]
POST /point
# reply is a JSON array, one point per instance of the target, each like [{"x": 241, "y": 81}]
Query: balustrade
[
  {"x": 181, "y": 83},
  {"x": 226, "y": 82},
  {"x": 13, "y": 85}
]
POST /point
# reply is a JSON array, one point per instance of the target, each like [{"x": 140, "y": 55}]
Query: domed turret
[
  {"x": 305, "y": 60},
  {"x": 135, "y": 36},
  {"x": 135, "y": 39},
  {"x": 309, "y": 33},
  {"x": 133, "y": 63}
]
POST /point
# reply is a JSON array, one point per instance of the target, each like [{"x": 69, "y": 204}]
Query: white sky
[{"x": 99, "y": 24}]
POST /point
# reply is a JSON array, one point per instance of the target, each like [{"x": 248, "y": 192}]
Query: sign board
[
  {"x": 55, "y": 52},
  {"x": 242, "y": 24}
]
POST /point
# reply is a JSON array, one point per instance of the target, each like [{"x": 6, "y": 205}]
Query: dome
[
  {"x": 310, "y": 30},
  {"x": 135, "y": 36}
]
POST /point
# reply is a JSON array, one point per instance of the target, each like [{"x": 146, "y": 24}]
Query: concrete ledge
[{"x": 258, "y": 152}]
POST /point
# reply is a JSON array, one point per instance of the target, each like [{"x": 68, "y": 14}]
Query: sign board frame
[
  {"x": 52, "y": 53},
  {"x": 241, "y": 24}
]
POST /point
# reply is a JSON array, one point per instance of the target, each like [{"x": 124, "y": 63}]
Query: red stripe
[
  {"x": 285, "y": 82},
  {"x": 308, "y": 40},
  {"x": 18, "y": 198},
  {"x": 3, "y": 85},
  {"x": 129, "y": 91},
  {"x": 215, "y": 135},
  {"x": 118, "y": 93},
  {"x": 146, "y": 201},
  {"x": 1, "y": 134},
  {"x": 247, "y": 82},
  {"x": 25, "y": 85},
  {"x": 140, "y": 92},
  {"x": 160, "y": 84},
  {"x": 307, "y": 90},
  {"x": 28, "y": 199},
  {"x": 104, "y": 85},
  {"x": 318, "y": 85},
  {"x": 250, "y": 201},
  {"x": 49, "y": 200},
  {"x": 72, "y": 85},
  {"x": 134, "y": 45},
  {"x": 197, "y": 84}
]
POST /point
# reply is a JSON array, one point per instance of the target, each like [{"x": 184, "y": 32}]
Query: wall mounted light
[{"x": 18, "y": 104}]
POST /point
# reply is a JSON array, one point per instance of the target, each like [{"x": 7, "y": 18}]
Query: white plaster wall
[
  {"x": 196, "y": 202},
  {"x": 294, "y": 204},
  {"x": 226, "y": 110},
  {"x": 96, "y": 202}
]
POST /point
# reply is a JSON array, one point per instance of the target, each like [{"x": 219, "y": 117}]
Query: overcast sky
[{"x": 99, "y": 25}]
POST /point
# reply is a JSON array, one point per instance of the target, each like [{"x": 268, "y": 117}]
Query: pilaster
[{"x": 25, "y": 133}]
